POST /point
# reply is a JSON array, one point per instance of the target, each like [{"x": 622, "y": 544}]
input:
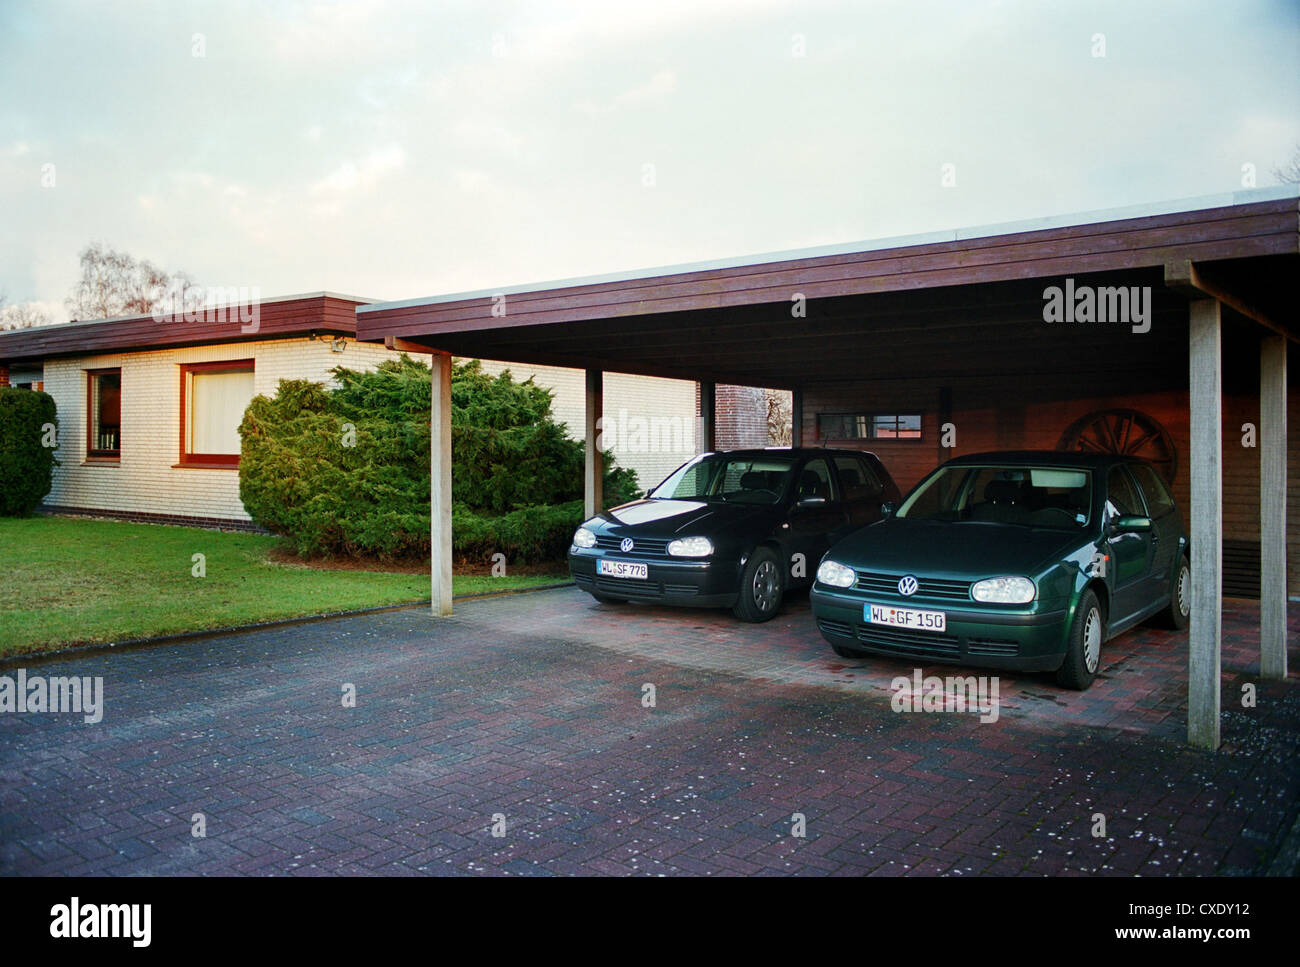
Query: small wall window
[
  {"x": 104, "y": 414},
  {"x": 213, "y": 399},
  {"x": 869, "y": 426}
]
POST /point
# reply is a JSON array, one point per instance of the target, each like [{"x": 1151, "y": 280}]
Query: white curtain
[{"x": 217, "y": 404}]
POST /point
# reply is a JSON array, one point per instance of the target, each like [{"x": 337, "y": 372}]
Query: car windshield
[
  {"x": 1053, "y": 497},
  {"x": 717, "y": 476}
]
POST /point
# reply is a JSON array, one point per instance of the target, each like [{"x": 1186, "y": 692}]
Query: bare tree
[
  {"x": 1289, "y": 173},
  {"x": 780, "y": 411},
  {"x": 23, "y": 316},
  {"x": 114, "y": 283}
]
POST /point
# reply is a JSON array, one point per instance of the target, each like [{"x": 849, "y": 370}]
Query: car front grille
[
  {"x": 874, "y": 583},
  {"x": 630, "y": 587},
  {"x": 909, "y": 642},
  {"x": 841, "y": 629},
  {"x": 641, "y": 546},
  {"x": 993, "y": 647}
]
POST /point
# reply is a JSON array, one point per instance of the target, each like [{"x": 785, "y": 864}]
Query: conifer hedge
[
  {"x": 345, "y": 470},
  {"x": 28, "y": 435}
]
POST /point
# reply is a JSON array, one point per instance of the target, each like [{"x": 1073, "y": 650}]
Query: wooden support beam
[
  {"x": 708, "y": 417},
  {"x": 593, "y": 491},
  {"x": 796, "y": 418},
  {"x": 440, "y": 484},
  {"x": 1272, "y": 507},
  {"x": 1184, "y": 276},
  {"x": 400, "y": 345},
  {"x": 1206, "y": 513}
]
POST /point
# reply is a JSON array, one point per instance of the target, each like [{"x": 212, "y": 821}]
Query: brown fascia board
[
  {"x": 280, "y": 317},
  {"x": 1244, "y": 230}
]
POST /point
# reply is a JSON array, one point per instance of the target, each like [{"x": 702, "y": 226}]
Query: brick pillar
[{"x": 4, "y": 375}]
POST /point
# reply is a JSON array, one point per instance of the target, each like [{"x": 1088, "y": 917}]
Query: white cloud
[
  {"x": 657, "y": 88},
  {"x": 363, "y": 174}
]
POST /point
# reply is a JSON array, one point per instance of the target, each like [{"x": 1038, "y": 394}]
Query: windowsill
[
  {"x": 198, "y": 465},
  {"x": 102, "y": 462}
]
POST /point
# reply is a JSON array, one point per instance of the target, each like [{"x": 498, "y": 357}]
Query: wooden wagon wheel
[{"x": 1129, "y": 432}]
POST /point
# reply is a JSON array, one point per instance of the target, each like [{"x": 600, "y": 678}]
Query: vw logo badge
[
  {"x": 907, "y": 586},
  {"x": 625, "y": 545}
]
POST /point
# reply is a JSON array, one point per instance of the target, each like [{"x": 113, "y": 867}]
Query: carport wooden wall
[{"x": 1037, "y": 421}]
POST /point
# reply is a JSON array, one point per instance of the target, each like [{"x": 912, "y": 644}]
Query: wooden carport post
[
  {"x": 1205, "y": 392},
  {"x": 440, "y": 483},
  {"x": 1272, "y": 506},
  {"x": 593, "y": 491}
]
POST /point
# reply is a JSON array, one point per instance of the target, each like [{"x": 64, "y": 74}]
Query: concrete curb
[{"x": 136, "y": 644}]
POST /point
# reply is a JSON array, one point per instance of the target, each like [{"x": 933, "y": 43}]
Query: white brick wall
[
  {"x": 146, "y": 480},
  {"x": 650, "y": 422}
]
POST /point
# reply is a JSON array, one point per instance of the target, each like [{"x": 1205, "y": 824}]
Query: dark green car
[{"x": 1017, "y": 560}]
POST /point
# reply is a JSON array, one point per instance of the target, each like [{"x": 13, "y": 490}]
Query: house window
[
  {"x": 869, "y": 426},
  {"x": 896, "y": 426},
  {"x": 104, "y": 414},
  {"x": 213, "y": 399}
]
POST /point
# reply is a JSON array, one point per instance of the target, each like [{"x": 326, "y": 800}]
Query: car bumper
[
  {"x": 696, "y": 583},
  {"x": 1014, "y": 641}
]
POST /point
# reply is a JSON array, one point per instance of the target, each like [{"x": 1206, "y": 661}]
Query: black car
[{"x": 733, "y": 529}]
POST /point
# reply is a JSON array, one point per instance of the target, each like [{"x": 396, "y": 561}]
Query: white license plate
[
  {"x": 623, "y": 569},
  {"x": 883, "y": 614}
]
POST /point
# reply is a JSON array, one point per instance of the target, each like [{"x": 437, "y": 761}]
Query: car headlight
[
  {"x": 583, "y": 538},
  {"x": 690, "y": 547},
  {"x": 836, "y": 574},
  {"x": 1004, "y": 591}
]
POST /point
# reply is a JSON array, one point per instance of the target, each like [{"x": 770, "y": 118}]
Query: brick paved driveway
[{"x": 527, "y": 711}]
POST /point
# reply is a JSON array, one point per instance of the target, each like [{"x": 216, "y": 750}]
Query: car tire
[
  {"x": 606, "y": 599},
  {"x": 1083, "y": 653},
  {"x": 762, "y": 585},
  {"x": 1179, "y": 612}
]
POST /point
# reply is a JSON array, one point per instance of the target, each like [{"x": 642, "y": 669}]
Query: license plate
[
  {"x": 883, "y": 614},
  {"x": 623, "y": 569}
]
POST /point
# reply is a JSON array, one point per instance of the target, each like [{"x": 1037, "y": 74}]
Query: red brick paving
[{"x": 530, "y": 706}]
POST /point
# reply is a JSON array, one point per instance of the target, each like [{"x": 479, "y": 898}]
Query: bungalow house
[{"x": 149, "y": 409}]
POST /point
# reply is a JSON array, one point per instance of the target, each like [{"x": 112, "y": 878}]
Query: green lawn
[{"x": 65, "y": 581}]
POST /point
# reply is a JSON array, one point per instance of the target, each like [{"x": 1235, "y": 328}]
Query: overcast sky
[{"x": 397, "y": 150}]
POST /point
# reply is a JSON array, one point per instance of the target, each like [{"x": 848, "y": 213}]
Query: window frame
[
  {"x": 205, "y": 461},
  {"x": 93, "y": 453},
  {"x": 871, "y": 418}
]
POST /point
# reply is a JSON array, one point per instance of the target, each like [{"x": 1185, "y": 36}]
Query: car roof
[
  {"x": 1049, "y": 458},
  {"x": 789, "y": 451}
]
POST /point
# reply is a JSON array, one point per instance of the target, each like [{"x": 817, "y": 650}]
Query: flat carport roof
[
  {"x": 893, "y": 302},
  {"x": 929, "y": 307}
]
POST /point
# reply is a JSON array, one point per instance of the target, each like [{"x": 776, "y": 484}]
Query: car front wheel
[
  {"x": 1083, "y": 654},
  {"x": 762, "y": 586}
]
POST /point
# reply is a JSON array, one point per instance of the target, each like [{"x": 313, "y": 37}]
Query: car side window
[
  {"x": 856, "y": 478},
  {"x": 1153, "y": 488},
  {"x": 815, "y": 481},
  {"x": 1121, "y": 498},
  {"x": 872, "y": 478}
]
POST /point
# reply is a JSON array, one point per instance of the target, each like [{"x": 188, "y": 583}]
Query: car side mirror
[{"x": 1131, "y": 524}]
